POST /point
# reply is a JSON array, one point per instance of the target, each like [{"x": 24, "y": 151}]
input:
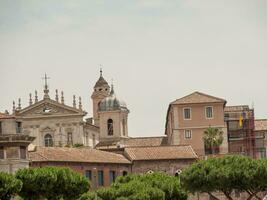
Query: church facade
[{"x": 55, "y": 124}]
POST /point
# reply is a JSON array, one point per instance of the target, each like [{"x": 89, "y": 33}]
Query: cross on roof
[{"x": 46, "y": 78}]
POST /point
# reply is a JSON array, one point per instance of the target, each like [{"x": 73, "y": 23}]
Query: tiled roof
[
  {"x": 236, "y": 108},
  {"x": 5, "y": 116},
  {"x": 135, "y": 142},
  {"x": 198, "y": 97},
  {"x": 64, "y": 154},
  {"x": 146, "y": 141},
  {"x": 101, "y": 82},
  {"x": 260, "y": 124},
  {"x": 160, "y": 153}
]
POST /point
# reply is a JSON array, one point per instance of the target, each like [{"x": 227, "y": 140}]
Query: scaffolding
[{"x": 241, "y": 130}]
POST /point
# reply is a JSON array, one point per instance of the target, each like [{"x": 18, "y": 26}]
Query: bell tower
[
  {"x": 101, "y": 91},
  {"x": 113, "y": 119}
]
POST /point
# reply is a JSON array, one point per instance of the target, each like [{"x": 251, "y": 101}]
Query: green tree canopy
[
  {"x": 213, "y": 137},
  {"x": 51, "y": 183},
  {"x": 226, "y": 174},
  {"x": 154, "y": 186},
  {"x": 9, "y": 186}
]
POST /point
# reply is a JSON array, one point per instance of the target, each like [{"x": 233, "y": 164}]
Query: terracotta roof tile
[
  {"x": 64, "y": 154},
  {"x": 135, "y": 142},
  {"x": 198, "y": 97},
  {"x": 6, "y": 116},
  {"x": 260, "y": 124},
  {"x": 146, "y": 141},
  {"x": 161, "y": 153}
]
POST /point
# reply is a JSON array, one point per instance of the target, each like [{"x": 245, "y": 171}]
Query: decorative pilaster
[
  {"x": 36, "y": 97},
  {"x": 80, "y": 103},
  {"x": 56, "y": 95},
  {"x": 19, "y": 104},
  {"x": 14, "y": 107},
  {"x": 74, "y": 101},
  {"x": 62, "y": 97},
  {"x": 30, "y": 100}
]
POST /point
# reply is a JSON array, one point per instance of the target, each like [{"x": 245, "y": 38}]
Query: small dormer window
[{"x": 110, "y": 127}]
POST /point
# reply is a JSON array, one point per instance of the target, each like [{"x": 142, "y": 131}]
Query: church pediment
[{"x": 48, "y": 107}]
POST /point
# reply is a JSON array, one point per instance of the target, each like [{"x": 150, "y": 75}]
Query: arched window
[
  {"x": 110, "y": 127},
  {"x": 124, "y": 127},
  {"x": 48, "y": 140}
]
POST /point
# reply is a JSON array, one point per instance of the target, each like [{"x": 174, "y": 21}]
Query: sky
[{"x": 154, "y": 50}]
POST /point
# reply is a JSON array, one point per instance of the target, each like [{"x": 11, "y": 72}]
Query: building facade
[
  {"x": 13, "y": 145},
  {"x": 102, "y": 167},
  {"x": 188, "y": 118},
  {"x": 261, "y": 138},
  {"x": 240, "y": 128}
]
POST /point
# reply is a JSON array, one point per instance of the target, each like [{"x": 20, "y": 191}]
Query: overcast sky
[{"x": 155, "y": 50}]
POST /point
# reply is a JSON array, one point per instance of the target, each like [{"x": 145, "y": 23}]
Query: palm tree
[{"x": 213, "y": 137}]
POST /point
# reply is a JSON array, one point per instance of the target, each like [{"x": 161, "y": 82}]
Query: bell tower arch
[{"x": 101, "y": 91}]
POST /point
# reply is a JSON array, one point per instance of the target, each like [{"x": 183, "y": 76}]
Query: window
[
  {"x": 187, "y": 134},
  {"x": 124, "y": 127},
  {"x": 12, "y": 152},
  {"x": 110, "y": 127},
  {"x": 100, "y": 178},
  {"x": 0, "y": 127},
  {"x": 94, "y": 140},
  {"x": 70, "y": 139},
  {"x": 2, "y": 156},
  {"x": 88, "y": 174},
  {"x": 209, "y": 112},
  {"x": 124, "y": 173},
  {"x": 112, "y": 176},
  {"x": 187, "y": 113},
  {"x": 86, "y": 139},
  {"x": 23, "y": 152},
  {"x": 48, "y": 140},
  {"x": 233, "y": 125},
  {"x": 18, "y": 127}
]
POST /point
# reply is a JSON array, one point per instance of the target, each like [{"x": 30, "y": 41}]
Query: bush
[{"x": 9, "y": 186}]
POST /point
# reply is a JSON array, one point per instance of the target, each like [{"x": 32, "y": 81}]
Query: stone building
[
  {"x": 188, "y": 118},
  {"x": 53, "y": 123},
  {"x": 13, "y": 144},
  {"x": 261, "y": 137},
  {"x": 102, "y": 167},
  {"x": 169, "y": 159}
]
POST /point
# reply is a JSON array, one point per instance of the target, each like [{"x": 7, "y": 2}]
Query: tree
[
  {"x": 51, "y": 183},
  {"x": 9, "y": 186},
  {"x": 89, "y": 196},
  {"x": 154, "y": 186},
  {"x": 213, "y": 137},
  {"x": 226, "y": 174}
]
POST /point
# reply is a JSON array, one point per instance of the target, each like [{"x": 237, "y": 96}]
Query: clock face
[{"x": 46, "y": 110}]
